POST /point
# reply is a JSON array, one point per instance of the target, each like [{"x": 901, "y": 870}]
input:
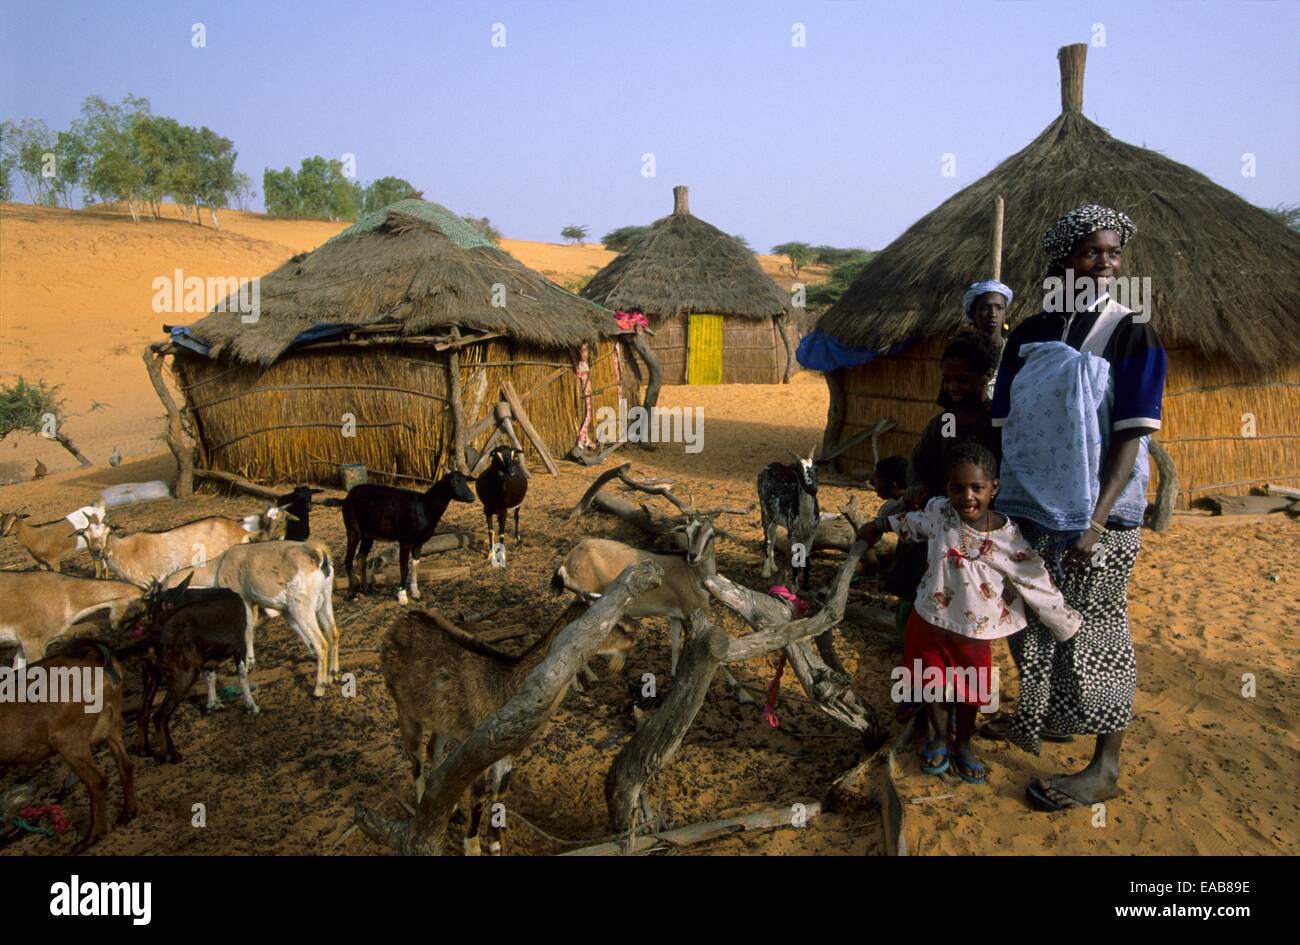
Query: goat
[
  {"x": 298, "y": 504},
  {"x": 39, "y": 606},
  {"x": 407, "y": 517},
  {"x": 147, "y": 556},
  {"x": 787, "y": 496},
  {"x": 295, "y": 578},
  {"x": 593, "y": 564},
  {"x": 70, "y": 727},
  {"x": 502, "y": 486},
  {"x": 49, "y": 543},
  {"x": 446, "y": 683},
  {"x": 188, "y": 630}
]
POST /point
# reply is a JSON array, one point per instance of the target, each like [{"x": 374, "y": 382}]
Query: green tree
[
  {"x": 280, "y": 191},
  {"x": 823, "y": 295},
  {"x": 215, "y": 163},
  {"x": 26, "y": 145},
  {"x": 833, "y": 255},
  {"x": 72, "y": 160},
  {"x": 620, "y": 239},
  {"x": 242, "y": 191},
  {"x": 1288, "y": 216},
  {"x": 380, "y": 193},
  {"x": 799, "y": 254},
  {"x": 575, "y": 232},
  {"x": 116, "y": 170}
]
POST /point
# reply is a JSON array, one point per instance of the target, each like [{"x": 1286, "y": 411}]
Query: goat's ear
[{"x": 290, "y": 516}]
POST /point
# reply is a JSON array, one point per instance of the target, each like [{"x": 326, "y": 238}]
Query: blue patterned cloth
[{"x": 1052, "y": 438}]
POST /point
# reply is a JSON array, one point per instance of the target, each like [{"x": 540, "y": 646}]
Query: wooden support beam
[
  {"x": 517, "y": 408},
  {"x": 458, "y": 428},
  {"x": 181, "y": 445}
]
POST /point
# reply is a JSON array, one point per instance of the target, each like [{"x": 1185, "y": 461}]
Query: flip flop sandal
[
  {"x": 1048, "y": 735},
  {"x": 934, "y": 760},
  {"x": 972, "y": 772},
  {"x": 1044, "y": 797}
]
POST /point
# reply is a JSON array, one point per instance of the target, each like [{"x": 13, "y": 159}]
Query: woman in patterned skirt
[{"x": 1084, "y": 686}]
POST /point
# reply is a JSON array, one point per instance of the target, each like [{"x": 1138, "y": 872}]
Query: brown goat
[
  {"x": 38, "y": 606},
  {"x": 446, "y": 684},
  {"x": 30, "y": 732},
  {"x": 50, "y": 542}
]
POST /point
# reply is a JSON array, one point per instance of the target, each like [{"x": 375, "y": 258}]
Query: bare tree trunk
[
  {"x": 785, "y": 325},
  {"x": 657, "y": 740},
  {"x": 65, "y": 441},
  {"x": 1167, "y": 491},
  {"x": 178, "y": 441},
  {"x": 834, "y": 412},
  {"x": 515, "y": 724},
  {"x": 641, "y": 345}
]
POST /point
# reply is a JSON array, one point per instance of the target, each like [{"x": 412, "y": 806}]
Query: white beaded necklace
[{"x": 983, "y": 536}]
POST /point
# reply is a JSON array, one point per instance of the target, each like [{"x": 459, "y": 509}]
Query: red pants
[{"x": 948, "y": 651}]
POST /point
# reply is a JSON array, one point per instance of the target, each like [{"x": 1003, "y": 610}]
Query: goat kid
[
  {"x": 593, "y": 564},
  {"x": 39, "y": 606},
  {"x": 30, "y": 732},
  {"x": 446, "y": 683},
  {"x": 372, "y": 511},
  {"x": 49, "y": 543},
  {"x": 146, "y": 556},
  {"x": 189, "y": 629},
  {"x": 298, "y": 504},
  {"x": 787, "y": 496}
]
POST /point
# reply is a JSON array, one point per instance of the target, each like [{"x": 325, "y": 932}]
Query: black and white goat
[{"x": 787, "y": 496}]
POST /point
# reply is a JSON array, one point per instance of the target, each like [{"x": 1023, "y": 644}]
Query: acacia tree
[
  {"x": 575, "y": 232},
  {"x": 799, "y": 254},
  {"x": 35, "y": 408}
]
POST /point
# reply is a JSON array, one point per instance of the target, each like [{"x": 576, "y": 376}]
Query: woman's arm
[{"x": 1115, "y": 470}]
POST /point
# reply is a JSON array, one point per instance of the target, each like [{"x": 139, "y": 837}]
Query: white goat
[
  {"x": 295, "y": 578},
  {"x": 147, "y": 556},
  {"x": 39, "y": 606}
]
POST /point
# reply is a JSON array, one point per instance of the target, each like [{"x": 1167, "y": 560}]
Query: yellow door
[{"x": 704, "y": 338}]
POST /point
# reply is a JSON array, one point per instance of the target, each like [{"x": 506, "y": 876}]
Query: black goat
[
  {"x": 787, "y": 495},
  {"x": 298, "y": 504},
  {"x": 502, "y": 486},
  {"x": 189, "y": 629},
  {"x": 407, "y": 517}
]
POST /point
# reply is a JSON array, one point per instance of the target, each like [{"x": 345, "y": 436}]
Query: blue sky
[{"x": 839, "y": 141}]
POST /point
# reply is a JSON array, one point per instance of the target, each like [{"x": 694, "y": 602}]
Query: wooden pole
[
  {"x": 517, "y": 408},
  {"x": 457, "y": 408},
  {"x": 995, "y": 253}
]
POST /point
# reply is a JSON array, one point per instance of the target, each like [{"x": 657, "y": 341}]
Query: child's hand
[{"x": 916, "y": 496}]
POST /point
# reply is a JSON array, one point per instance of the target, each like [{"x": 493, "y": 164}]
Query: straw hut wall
[
  {"x": 420, "y": 298},
  {"x": 1225, "y": 300},
  {"x": 684, "y": 266}
]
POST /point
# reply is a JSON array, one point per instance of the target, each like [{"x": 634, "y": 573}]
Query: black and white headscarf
[{"x": 1080, "y": 222}]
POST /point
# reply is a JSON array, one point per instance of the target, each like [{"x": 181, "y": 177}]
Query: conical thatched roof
[
  {"x": 414, "y": 264},
  {"x": 1223, "y": 271},
  {"x": 685, "y": 265}
]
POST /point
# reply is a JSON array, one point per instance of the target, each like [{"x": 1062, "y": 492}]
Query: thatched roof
[
  {"x": 1223, "y": 271},
  {"x": 414, "y": 265},
  {"x": 683, "y": 265}
]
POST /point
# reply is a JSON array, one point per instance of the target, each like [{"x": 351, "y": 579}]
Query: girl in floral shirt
[{"x": 981, "y": 574}]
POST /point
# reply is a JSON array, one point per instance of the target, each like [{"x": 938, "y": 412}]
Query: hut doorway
[{"x": 704, "y": 344}]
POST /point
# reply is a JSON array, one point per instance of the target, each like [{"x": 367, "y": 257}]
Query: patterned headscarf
[
  {"x": 1078, "y": 223},
  {"x": 979, "y": 288}
]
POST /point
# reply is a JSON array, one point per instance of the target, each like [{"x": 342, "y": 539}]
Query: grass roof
[
  {"x": 415, "y": 265},
  {"x": 683, "y": 265}
]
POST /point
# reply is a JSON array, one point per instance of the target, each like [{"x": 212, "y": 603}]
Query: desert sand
[{"x": 1207, "y": 769}]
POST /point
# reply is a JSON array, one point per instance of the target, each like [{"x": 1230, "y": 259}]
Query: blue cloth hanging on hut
[
  {"x": 183, "y": 336},
  {"x": 819, "y": 351}
]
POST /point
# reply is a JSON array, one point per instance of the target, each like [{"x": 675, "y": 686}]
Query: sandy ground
[{"x": 1207, "y": 770}]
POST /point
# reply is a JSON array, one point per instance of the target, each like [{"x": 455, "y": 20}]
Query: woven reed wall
[
  {"x": 1205, "y": 401},
  {"x": 752, "y": 351},
  {"x": 284, "y": 423}
]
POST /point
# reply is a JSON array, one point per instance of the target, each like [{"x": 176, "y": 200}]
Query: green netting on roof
[{"x": 447, "y": 223}]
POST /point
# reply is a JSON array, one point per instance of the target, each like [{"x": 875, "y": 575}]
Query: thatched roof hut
[
  {"x": 1225, "y": 300},
  {"x": 716, "y": 315},
  {"x": 368, "y": 350}
]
